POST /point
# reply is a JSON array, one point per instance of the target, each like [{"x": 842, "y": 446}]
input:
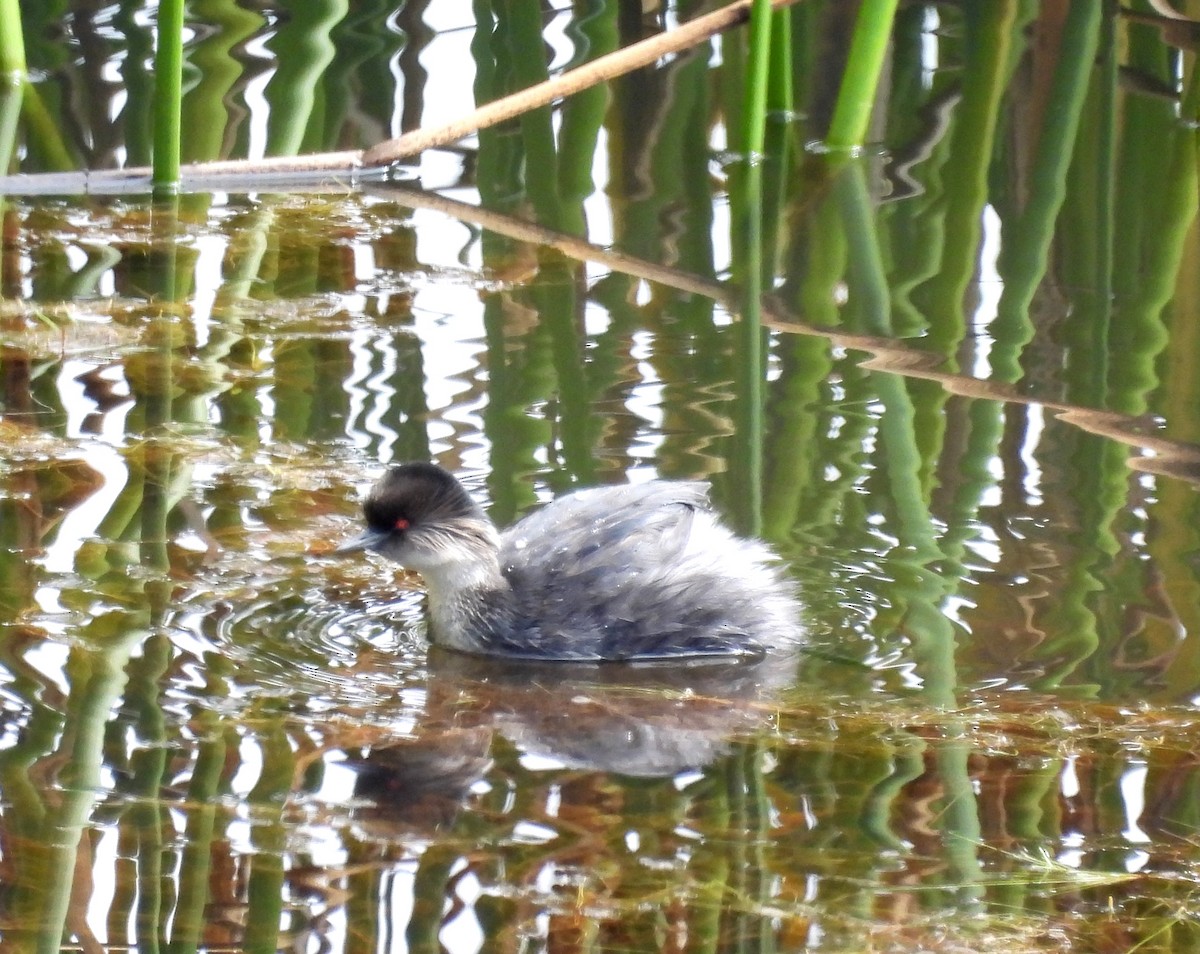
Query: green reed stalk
[
  {"x": 10, "y": 121},
  {"x": 12, "y": 41},
  {"x": 582, "y": 118},
  {"x": 98, "y": 677},
  {"x": 746, "y": 202},
  {"x": 1174, "y": 514},
  {"x": 204, "y": 108},
  {"x": 747, "y": 468},
  {"x": 777, "y": 151},
  {"x": 44, "y": 143},
  {"x": 754, "y": 115},
  {"x": 303, "y": 50},
  {"x": 852, "y": 114},
  {"x": 522, "y": 27},
  {"x": 168, "y": 95},
  {"x": 993, "y": 31},
  {"x": 265, "y": 885},
  {"x": 199, "y": 848},
  {"x": 1025, "y": 258},
  {"x": 559, "y": 302},
  {"x": 1088, "y": 216},
  {"x": 137, "y": 80}
]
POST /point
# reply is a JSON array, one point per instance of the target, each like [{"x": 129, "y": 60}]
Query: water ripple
[{"x": 296, "y": 640}]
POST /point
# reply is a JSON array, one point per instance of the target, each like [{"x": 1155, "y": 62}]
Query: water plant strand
[
  {"x": 168, "y": 95},
  {"x": 872, "y": 33},
  {"x": 12, "y": 40}
]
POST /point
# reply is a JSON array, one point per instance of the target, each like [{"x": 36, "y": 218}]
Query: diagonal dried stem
[{"x": 355, "y": 164}]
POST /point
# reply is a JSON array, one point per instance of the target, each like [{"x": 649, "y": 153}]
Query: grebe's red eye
[{"x": 402, "y": 524}]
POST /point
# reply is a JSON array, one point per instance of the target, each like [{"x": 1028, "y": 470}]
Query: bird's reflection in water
[{"x": 638, "y": 721}]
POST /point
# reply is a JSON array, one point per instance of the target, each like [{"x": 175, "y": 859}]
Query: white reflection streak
[
  {"x": 463, "y": 933},
  {"x": 597, "y": 209},
  {"x": 1133, "y": 792},
  {"x": 645, "y": 399},
  {"x": 77, "y": 258},
  {"x": 256, "y": 101},
  {"x": 1035, "y": 416},
  {"x": 104, "y": 888},
  {"x": 249, "y": 768},
  {"x": 82, "y": 521},
  {"x": 384, "y": 397},
  {"x": 266, "y": 397},
  {"x": 364, "y": 264},
  {"x": 930, "y": 59},
  {"x": 396, "y": 122},
  {"x": 1069, "y": 783},
  {"x": 397, "y": 897},
  {"x": 210, "y": 254},
  {"x": 989, "y": 288},
  {"x": 360, "y": 354}
]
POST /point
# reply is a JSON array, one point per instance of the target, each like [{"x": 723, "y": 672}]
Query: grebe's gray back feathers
[
  {"x": 591, "y": 571},
  {"x": 578, "y": 535}
]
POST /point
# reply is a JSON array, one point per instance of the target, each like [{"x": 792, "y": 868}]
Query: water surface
[{"x": 966, "y": 419}]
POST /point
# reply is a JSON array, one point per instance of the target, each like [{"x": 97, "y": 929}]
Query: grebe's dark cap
[{"x": 408, "y": 497}]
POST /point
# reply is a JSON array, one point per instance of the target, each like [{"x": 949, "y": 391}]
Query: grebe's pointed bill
[{"x": 367, "y": 540}]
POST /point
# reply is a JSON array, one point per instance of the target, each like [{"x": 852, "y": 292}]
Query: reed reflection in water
[{"x": 215, "y": 735}]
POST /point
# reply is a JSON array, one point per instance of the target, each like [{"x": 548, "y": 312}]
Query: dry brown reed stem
[
  {"x": 359, "y": 163},
  {"x": 604, "y": 68},
  {"x": 1154, "y": 454}
]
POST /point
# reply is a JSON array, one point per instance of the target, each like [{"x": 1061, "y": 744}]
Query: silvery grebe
[{"x": 636, "y": 572}]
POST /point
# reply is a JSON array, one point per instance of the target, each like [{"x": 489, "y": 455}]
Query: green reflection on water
[{"x": 215, "y": 737}]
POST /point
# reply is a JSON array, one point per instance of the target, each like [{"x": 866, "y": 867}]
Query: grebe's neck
[{"x": 471, "y": 603}]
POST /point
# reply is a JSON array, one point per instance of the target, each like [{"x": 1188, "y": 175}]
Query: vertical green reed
[
  {"x": 42, "y": 104},
  {"x": 1152, "y": 250},
  {"x": 950, "y": 210},
  {"x": 371, "y": 44},
  {"x": 97, "y": 677},
  {"x": 200, "y": 833},
  {"x": 521, "y": 24},
  {"x": 148, "y": 768},
  {"x": 1151, "y": 337},
  {"x": 12, "y": 41},
  {"x": 359, "y": 78},
  {"x": 558, "y": 300},
  {"x": 265, "y": 887},
  {"x": 852, "y": 115},
  {"x": 754, "y": 117},
  {"x": 303, "y": 50},
  {"x": 777, "y": 145},
  {"x": 990, "y": 38},
  {"x": 431, "y": 887},
  {"x": 526, "y": 374},
  {"x": 1175, "y": 512},
  {"x": 10, "y": 118},
  {"x": 595, "y": 34},
  {"x": 43, "y": 138},
  {"x": 138, "y": 80},
  {"x": 168, "y": 94},
  {"x": 746, "y": 205},
  {"x": 498, "y": 164},
  {"x": 214, "y": 56},
  {"x": 1075, "y": 622},
  {"x": 926, "y": 589},
  {"x": 1089, "y": 217},
  {"x": 1027, "y": 237}
]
